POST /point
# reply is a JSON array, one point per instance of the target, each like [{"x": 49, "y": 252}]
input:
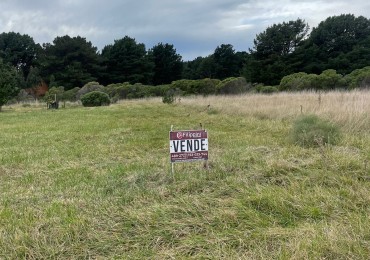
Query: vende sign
[{"x": 188, "y": 145}]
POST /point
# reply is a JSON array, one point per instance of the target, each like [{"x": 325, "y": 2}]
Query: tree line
[{"x": 340, "y": 43}]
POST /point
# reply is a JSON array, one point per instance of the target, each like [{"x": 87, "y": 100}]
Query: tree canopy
[
  {"x": 168, "y": 64},
  {"x": 10, "y": 82},
  {"x": 19, "y": 50},
  {"x": 339, "y": 42},
  {"x": 71, "y": 62},
  {"x": 273, "y": 47},
  {"x": 127, "y": 61}
]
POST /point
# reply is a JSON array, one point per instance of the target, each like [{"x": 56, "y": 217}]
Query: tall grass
[
  {"x": 351, "y": 109},
  {"x": 95, "y": 183}
]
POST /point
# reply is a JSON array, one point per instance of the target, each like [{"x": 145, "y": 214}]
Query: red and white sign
[{"x": 188, "y": 145}]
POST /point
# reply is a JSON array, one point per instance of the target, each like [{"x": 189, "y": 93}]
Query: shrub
[
  {"x": 292, "y": 81},
  {"x": 268, "y": 89},
  {"x": 359, "y": 78},
  {"x": 329, "y": 79},
  {"x": 201, "y": 86},
  {"x": 89, "y": 87},
  {"x": 169, "y": 97},
  {"x": 70, "y": 95},
  {"x": 233, "y": 86},
  {"x": 312, "y": 131},
  {"x": 54, "y": 92},
  {"x": 95, "y": 99}
]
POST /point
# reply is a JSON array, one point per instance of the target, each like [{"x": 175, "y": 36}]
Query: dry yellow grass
[{"x": 349, "y": 109}]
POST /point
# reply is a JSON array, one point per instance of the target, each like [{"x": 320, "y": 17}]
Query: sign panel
[{"x": 188, "y": 145}]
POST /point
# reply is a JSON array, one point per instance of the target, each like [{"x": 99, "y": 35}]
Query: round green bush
[
  {"x": 312, "y": 131},
  {"x": 95, "y": 99}
]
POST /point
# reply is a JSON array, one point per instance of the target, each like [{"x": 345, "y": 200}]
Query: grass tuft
[{"x": 312, "y": 131}]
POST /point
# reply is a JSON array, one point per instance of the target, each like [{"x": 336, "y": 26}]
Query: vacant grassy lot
[{"x": 96, "y": 183}]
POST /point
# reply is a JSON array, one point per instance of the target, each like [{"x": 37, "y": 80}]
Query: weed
[{"x": 312, "y": 131}]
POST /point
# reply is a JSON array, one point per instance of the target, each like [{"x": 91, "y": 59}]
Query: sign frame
[{"x": 188, "y": 145}]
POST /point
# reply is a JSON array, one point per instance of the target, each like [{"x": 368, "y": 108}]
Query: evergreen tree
[
  {"x": 71, "y": 61},
  {"x": 127, "y": 61},
  {"x": 10, "y": 83},
  {"x": 19, "y": 50},
  {"x": 167, "y": 64}
]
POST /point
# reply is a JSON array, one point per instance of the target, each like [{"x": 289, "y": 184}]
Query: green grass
[{"x": 96, "y": 183}]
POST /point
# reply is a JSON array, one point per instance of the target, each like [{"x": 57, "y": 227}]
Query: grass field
[{"x": 79, "y": 183}]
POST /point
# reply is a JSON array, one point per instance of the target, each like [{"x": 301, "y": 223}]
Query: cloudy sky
[{"x": 194, "y": 27}]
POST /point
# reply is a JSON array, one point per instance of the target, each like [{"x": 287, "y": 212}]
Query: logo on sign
[{"x": 188, "y": 134}]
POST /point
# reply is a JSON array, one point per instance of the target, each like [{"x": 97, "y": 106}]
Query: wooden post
[{"x": 172, "y": 164}]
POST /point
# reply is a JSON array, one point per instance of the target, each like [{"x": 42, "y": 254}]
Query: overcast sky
[{"x": 194, "y": 27}]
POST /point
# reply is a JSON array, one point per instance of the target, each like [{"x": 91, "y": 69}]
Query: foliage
[
  {"x": 33, "y": 78},
  {"x": 127, "y": 61},
  {"x": 199, "y": 68},
  {"x": 339, "y": 43},
  {"x": 62, "y": 95},
  {"x": 232, "y": 86},
  {"x": 359, "y": 78},
  {"x": 338, "y": 34},
  {"x": 327, "y": 80},
  {"x": 95, "y": 99},
  {"x": 169, "y": 97},
  {"x": 167, "y": 64},
  {"x": 9, "y": 83},
  {"x": 280, "y": 39},
  {"x": 228, "y": 62},
  {"x": 191, "y": 69},
  {"x": 55, "y": 93},
  {"x": 223, "y": 63},
  {"x": 19, "y": 51},
  {"x": 311, "y": 131},
  {"x": 266, "y": 89},
  {"x": 127, "y": 91},
  {"x": 272, "y": 48},
  {"x": 295, "y": 81},
  {"x": 195, "y": 87},
  {"x": 207, "y": 68},
  {"x": 70, "y": 95},
  {"x": 22, "y": 96},
  {"x": 89, "y": 87},
  {"x": 72, "y": 61}
]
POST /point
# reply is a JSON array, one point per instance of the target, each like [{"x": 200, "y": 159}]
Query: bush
[
  {"x": 359, "y": 78},
  {"x": 328, "y": 79},
  {"x": 95, "y": 99},
  {"x": 294, "y": 81},
  {"x": 311, "y": 131},
  {"x": 54, "y": 93},
  {"x": 169, "y": 97},
  {"x": 268, "y": 89},
  {"x": 89, "y": 87},
  {"x": 232, "y": 86},
  {"x": 70, "y": 95}
]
